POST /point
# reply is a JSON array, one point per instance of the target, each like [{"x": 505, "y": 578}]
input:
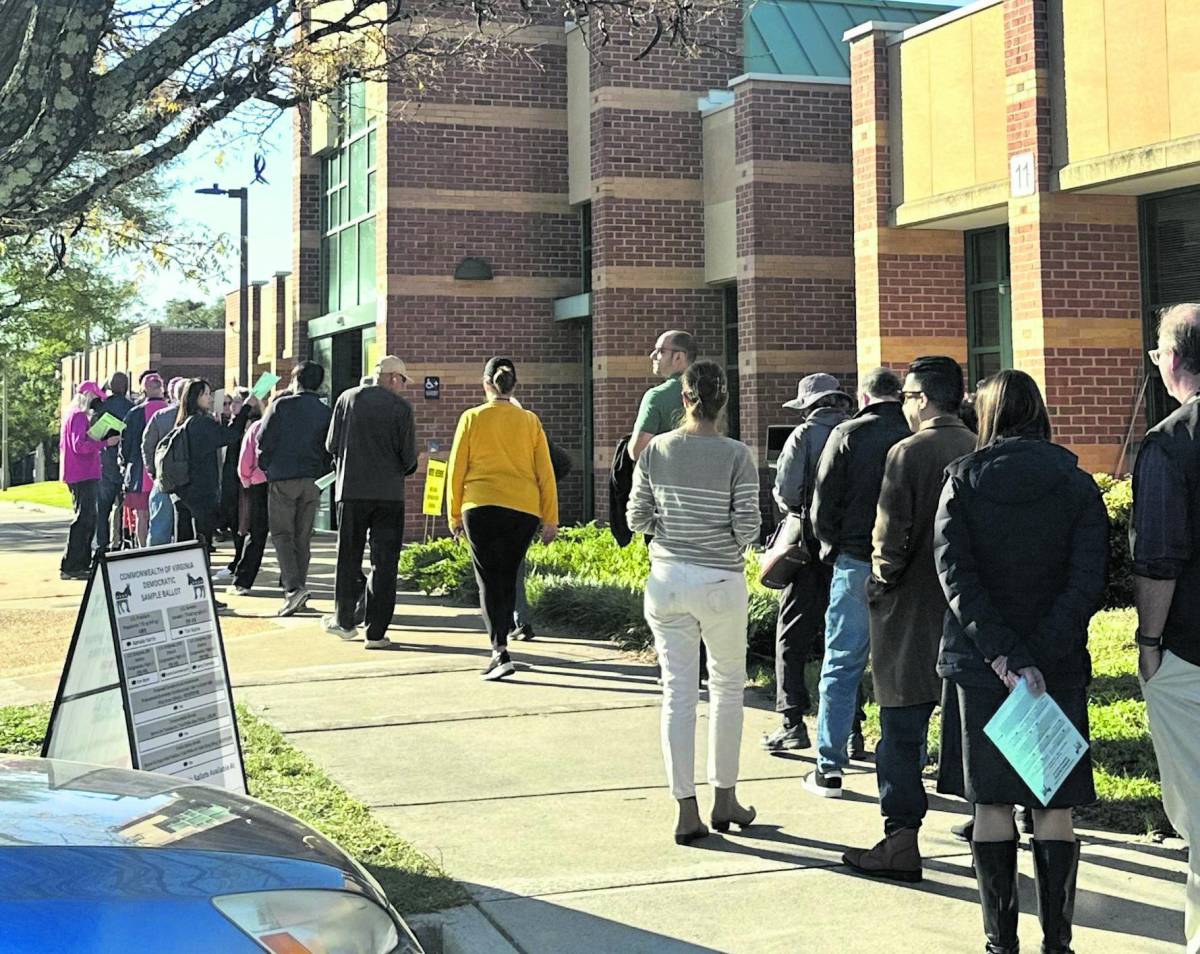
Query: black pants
[
  {"x": 902, "y": 799},
  {"x": 383, "y": 522},
  {"x": 802, "y": 605},
  {"x": 185, "y": 525},
  {"x": 108, "y": 496},
  {"x": 255, "y": 542},
  {"x": 499, "y": 538},
  {"x": 77, "y": 557}
]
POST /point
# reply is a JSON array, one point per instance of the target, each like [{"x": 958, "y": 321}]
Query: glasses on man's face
[
  {"x": 911, "y": 395},
  {"x": 661, "y": 351}
]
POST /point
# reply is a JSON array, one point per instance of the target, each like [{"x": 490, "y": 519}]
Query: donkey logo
[
  {"x": 197, "y": 583},
  {"x": 123, "y": 598}
]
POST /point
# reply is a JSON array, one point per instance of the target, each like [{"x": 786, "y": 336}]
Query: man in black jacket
[
  {"x": 849, "y": 477},
  {"x": 118, "y": 405},
  {"x": 291, "y": 452},
  {"x": 1165, "y": 542},
  {"x": 372, "y": 438}
]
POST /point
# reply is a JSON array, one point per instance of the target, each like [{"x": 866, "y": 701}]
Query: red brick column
[
  {"x": 647, "y": 222},
  {"x": 795, "y": 246},
  {"x": 305, "y": 292},
  {"x": 909, "y": 283},
  {"x": 1076, "y": 290}
]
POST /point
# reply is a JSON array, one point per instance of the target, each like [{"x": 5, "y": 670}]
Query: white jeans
[
  {"x": 1173, "y": 704},
  {"x": 686, "y": 603}
]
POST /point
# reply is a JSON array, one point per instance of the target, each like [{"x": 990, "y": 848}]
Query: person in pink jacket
[
  {"x": 79, "y": 460},
  {"x": 252, "y": 509}
]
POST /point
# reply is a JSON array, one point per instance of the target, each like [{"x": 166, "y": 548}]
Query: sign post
[{"x": 145, "y": 684}]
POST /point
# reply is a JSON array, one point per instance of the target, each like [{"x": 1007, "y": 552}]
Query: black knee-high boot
[
  {"x": 996, "y": 874},
  {"x": 1056, "y": 864}
]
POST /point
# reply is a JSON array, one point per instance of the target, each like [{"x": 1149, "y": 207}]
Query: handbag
[{"x": 787, "y": 551}]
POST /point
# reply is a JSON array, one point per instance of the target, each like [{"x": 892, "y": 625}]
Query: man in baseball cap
[
  {"x": 373, "y": 440},
  {"x": 802, "y": 602}
]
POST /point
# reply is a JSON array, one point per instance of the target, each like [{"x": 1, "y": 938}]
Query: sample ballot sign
[{"x": 145, "y": 684}]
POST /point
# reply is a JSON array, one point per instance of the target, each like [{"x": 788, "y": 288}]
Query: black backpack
[{"x": 172, "y": 461}]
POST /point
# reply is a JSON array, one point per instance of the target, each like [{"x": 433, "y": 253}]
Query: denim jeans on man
[
  {"x": 847, "y": 644},
  {"x": 899, "y": 758},
  {"x": 162, "y": 517}
]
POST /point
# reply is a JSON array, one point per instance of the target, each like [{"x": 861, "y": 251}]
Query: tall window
[
  {"x": 989, "y": 304},
  {"x": 585, "y": 246},
  {"x": 733, "y": 407},
  {"x": 348, "y": 205}
]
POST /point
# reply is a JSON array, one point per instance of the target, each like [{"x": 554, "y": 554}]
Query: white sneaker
[
  {"x": 223, "y": 575},
  {"x": 381, "y": 643},
  {"x": 238, "y": 590},
  {"x": 498, "y": 668},
  {"x": 824, "y": 785},
  {"x": 294, "y": 602},
  {"x": 330, "y": 625}
]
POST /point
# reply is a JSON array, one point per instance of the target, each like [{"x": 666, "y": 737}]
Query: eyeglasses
[
  {"x": 660, "y": 351},
  {"x": 911, "y": 395}
]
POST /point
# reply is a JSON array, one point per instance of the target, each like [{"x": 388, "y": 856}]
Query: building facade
[
  {"x": 567, "y": 207},
  {"x": 1027, "y": 194}
]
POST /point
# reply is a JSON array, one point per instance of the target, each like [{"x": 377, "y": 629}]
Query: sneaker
[
  {"x": 330, "y": 625},
  {"x": 381, "y": 643},
  {"x": 896, "y": 858},
  {"x": 219, "y": 605},
  {"x": 787, "y": 738},
  {"x": 856, "y": 749},
  {"x": 293, "y": 602},
  {"x": 498, "y": 668},
  {"x": 76, "y": 575},
  {"x": 824, "y": 785},
  {"x": 524, "y": 632},
  {"x": 223, "y": 575},
  {"x": 239, "y": 590}
]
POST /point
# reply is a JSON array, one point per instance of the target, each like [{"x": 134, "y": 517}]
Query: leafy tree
[
  {"x": 94, "y": 94},
  {"x": 184, "y": 313}
]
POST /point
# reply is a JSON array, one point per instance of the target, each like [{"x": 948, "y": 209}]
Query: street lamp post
[
  {"x": 243, "y": 195},
  {"x": 4, "y": 475}
]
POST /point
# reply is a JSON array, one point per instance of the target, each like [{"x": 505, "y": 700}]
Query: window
[
  {"x": 732, "y": 407},
  {"x": 585, "y": 246},
  {"x": 1170, "y": 235},
  {"x": 989, "y": 304},
  {"x": 348, "y": 175}
]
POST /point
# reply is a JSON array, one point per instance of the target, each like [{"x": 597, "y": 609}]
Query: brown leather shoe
[{"x": 896, "y": 858}]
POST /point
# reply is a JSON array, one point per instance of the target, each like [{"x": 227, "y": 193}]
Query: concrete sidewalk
[{"x": 545, "y": 794}]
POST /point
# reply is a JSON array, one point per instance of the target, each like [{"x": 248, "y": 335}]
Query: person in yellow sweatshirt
[{"x": 501, "y": 486}]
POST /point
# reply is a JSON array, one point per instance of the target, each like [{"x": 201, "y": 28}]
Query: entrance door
[
  {"x": 1170, "y": 231},
  {"x": 989, "y": 304},
  {"x": 342, "y": 356}
]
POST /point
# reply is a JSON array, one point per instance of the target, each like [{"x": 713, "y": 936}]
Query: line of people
[{"x": 957, "y": 564}]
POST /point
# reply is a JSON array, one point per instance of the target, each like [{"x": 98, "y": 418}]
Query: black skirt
[{"x": 971, "y": 767}]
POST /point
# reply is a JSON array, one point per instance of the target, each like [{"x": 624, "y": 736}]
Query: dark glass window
[
  {"x": 989, "y": 304},
  {"x": 733, "y": 407}
]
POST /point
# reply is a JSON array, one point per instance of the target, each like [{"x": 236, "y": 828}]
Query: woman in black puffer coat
[{"x": 1021, "y": 544}]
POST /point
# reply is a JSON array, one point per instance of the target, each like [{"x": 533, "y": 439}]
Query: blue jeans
[
  {"x": 899, "y": 758},
  {"x": 847, "y": 643},
  {"x": 162, "y": 517}
]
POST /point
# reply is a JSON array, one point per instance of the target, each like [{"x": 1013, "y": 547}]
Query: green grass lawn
[
  {"x": 1126, "y": 772},
  {"x": 50, "y": 493},
  {"x": 283, "y": 776}
]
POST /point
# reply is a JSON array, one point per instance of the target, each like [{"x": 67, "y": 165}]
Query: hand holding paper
[{"x": 103, "y": 424}]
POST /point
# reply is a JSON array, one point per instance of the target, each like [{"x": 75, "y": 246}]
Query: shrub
[{"x": 1118, "y": 501}]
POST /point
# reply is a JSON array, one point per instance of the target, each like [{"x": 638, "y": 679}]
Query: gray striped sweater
[{"x": 698, "y": 496}]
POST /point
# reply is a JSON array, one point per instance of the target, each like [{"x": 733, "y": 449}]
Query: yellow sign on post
[{"x": 435, "y": 488}]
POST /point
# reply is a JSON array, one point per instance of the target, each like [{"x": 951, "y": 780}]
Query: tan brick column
[
  {"x": 909, "y": 283},
  {"x": 1076, "y": 292}
]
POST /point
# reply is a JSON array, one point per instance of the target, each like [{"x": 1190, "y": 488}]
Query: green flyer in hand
[
  {"x": 262, "y": 387},
  {"x": 105, "y": 423},
  {"x": 1038, "y": 740}
]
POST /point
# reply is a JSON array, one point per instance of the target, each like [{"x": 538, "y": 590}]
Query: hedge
[{"x": 585, "y": 584}]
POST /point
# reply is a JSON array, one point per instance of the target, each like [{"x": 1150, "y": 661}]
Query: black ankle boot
[
  {"x": 1055, "y": 864},
  {"x": 996, "y": 875}
]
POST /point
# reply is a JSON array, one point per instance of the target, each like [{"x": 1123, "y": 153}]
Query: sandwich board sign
[{"x": 145, "y": 684}]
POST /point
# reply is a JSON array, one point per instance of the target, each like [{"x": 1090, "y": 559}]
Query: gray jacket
[
  {"x": 796, "y": 469},
  {"x": 157, "y": 428}
]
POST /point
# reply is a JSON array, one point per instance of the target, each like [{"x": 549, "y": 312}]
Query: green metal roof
[{"x": 804, "y": 37}]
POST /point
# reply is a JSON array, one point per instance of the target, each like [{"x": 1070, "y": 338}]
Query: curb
[{"x": 461, "y": 930}]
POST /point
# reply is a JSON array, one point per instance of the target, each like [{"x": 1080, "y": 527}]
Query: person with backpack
[
  {"x": 252, "y": 520},
  {"x": 187, "y": 460},
  {"x": 111, "y": 485},
  {"x": 163, "y": 518},
  {"x": 137, "y": 480},
  {"x": 802, "y": 603}
]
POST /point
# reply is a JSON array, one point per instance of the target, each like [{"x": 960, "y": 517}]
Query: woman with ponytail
[
  {"x": 499, "y": 487},
  {"x": 696, "y": 493}
]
